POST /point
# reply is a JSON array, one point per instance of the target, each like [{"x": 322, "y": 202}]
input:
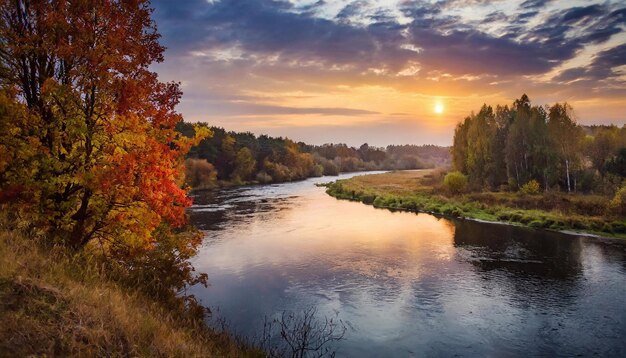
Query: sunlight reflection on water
[{"x": 408, "y": 284}]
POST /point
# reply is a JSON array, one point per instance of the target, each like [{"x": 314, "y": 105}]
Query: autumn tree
[
  {"x": 95, "y": 154},
  {"x": 459, "y": 147},
  {"x": 603, "y": 146},
  {"x": 544, "y": 146},
  {"x": 226, "y": 157},
  {"x": 503, "y": 117},
  {"x": 479, "y": 161},
  {"x": 244, "y": 165},
  {"x": 200, "y": 174},
  {"x": 518, "y": 143},
  {"x": 567, "y": 138}
]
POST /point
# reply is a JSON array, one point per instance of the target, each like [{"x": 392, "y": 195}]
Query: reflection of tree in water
[
  {"x": 520, "y": 251},
  {"x": 529, "y": 267},
  {"x": 613, "y": 252}
]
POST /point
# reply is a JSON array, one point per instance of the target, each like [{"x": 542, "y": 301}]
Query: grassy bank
[
  {"x": 421, "y": 191},
  {"x": 52, "y": 304}
]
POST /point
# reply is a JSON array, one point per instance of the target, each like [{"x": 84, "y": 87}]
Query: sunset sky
[{"x": 392, "y": 71}]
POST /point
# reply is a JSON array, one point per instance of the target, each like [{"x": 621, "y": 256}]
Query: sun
[{"x": 439, "y": 108}]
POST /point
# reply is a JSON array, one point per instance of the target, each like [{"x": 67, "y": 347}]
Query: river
[{"x": 407, "y": 284}]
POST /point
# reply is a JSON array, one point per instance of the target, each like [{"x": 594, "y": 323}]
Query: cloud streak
[{"x": 250, "y": 46}]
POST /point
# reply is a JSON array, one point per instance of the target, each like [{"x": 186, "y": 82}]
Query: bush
[
  {"x": 455, "y": 182},
  {"x": 330, "y": 168},
  {"x": 538, "y": 224},
  {"x": 618, "y": 227},
  {"x": 200, "y": 174},
  {"x": 263, "y": 177},
  {"x": 278, "y": 172},
  {"x": 368, "y": 199},
  {"x": 618, "y": 204},
  {"x": 531, "y": 188},
  {"x": 379, "y": 202},
  {"x": 317, "y": 171}
]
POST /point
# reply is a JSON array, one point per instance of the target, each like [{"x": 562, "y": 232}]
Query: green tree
[
  {"x": 567, "y": 139},
  {"x": 459, "y": 148},
  {"x": 245, "y": 165},
  {"x": 617, "y": 165},
  {"x": 602, "y": 147},
  {"x": 503, "y": 118},
  {"x": 479, "y": 161},
  {"x": 518, "y": 143}
]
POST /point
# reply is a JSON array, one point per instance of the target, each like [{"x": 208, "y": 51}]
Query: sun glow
[{"x": 439, "y": 108}]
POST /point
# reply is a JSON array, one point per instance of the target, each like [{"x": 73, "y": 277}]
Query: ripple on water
[{"x": 409, "y": 285}]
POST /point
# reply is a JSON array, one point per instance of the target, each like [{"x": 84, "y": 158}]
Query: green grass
[{"x": 421, "y": 191}]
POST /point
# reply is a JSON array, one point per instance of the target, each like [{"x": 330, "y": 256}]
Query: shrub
[
  {"x": 200, "y": 174},
  {"x": 618, "y": 227},
  {"x": 505, "y": 216},
  {"x": 618, "y": 204},
  {"x": 277, "y": 171},
  {"x": 410, "y": 205},
  {"x": 330, "y": 168},
  {"x": 317, "y": 171},
  {"x": 538, "y": 224},
  {"x": 368, "y": 199},
  {"x": 379, "y": 202},
  {"x": 531, "y": 188},
  {"x": 263, "y": 177},
  {"x": 455, "y": 182}
]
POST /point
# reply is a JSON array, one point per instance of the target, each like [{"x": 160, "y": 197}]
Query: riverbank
[
  {"x": 53, "y": 304},
  {"x": 421, "y": 191},
  {"x": 226, "y": 184}
]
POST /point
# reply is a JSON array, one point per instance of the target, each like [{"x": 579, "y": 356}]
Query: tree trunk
[
  {"x": 569, "y": 189},
  {"x": 78, "y": 238}
]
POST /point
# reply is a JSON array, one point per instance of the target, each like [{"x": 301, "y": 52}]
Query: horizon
[{"x": 392, "y": 72}]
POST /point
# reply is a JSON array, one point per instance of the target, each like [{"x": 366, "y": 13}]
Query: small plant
[
  {"x": 455, "y": 182},
  {"x": 301, "y": 335},
  {"x": 531, "y": 188}
]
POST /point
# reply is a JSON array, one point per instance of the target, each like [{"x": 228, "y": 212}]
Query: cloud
[
  {"x": 224, "y": 50},
  {"x": 534, "y": 4},
  {"x": 601, "y": 68},
  {"x": 220, "y": 108},
  {"x": 577, "y": 14},
  {"x": 282, "y": 30}
]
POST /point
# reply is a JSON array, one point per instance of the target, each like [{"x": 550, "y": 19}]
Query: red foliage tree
[{"x": 94, "y": 153}]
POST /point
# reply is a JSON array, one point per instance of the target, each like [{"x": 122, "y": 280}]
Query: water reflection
[
  {"x": 408, "y": 284},
  {"x": 523, "y": 251}
]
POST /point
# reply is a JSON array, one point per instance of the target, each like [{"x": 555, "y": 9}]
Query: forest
[
  {"x": 537, "y": 148},
  {"x": 238, "y": 158}
]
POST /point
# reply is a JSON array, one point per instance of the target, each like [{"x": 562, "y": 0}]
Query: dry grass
[
  {"x": 53, "y": 305},
  {"x": 398, "y": 182},
  {"x": 421, "y": 190}
]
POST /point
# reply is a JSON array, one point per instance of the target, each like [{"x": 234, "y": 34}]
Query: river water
[{"x": 407, "y": 284}]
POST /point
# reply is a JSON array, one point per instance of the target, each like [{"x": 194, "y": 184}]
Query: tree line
[
  {"x": 242, "y": 157},
  {"x": 508, "y": 147}
]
